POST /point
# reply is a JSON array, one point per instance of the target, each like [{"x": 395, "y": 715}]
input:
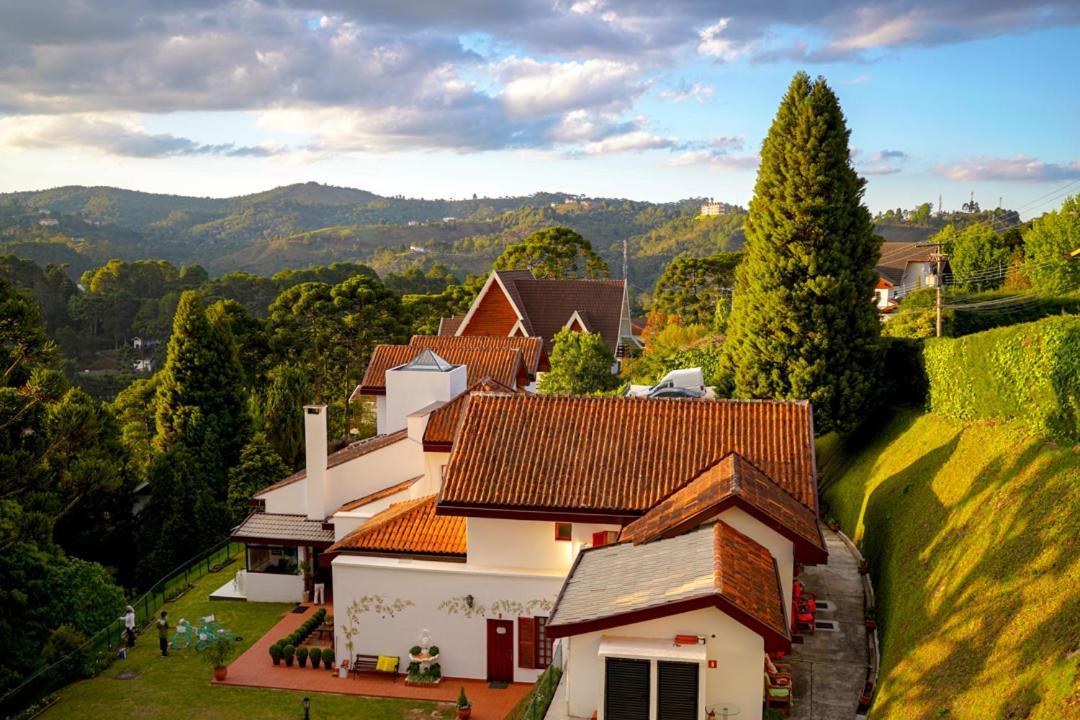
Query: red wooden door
[{"x": 500, "y": 650}]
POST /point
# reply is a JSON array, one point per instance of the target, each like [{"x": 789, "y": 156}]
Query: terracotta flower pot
[
  {"x": 870, "y": 624},
  {"x": 464, "y": 713},
  {"x": 220, "y": 672}
]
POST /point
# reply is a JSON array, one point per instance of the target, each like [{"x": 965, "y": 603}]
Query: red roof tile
[
  {"x": 617, "y": 455},
  {"x": 530, "y": 347},
  {"x": 410, "y": 527},
  {"x": 746, "y": 576},
  {"x": 504, "y": 365},
  {"x": 732, "y": 482},
  {"x": 449, "y": 325},
  {"x": 344, "y": 455},
  {"x": 442, "y": 424}
]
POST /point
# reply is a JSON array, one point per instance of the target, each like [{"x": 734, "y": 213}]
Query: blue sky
[{"x": 625, "y": 98}]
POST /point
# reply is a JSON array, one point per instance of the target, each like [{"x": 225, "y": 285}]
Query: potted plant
[
  {"x": 276, "y": 653},
  {"x": 328, "y": 658},
  {"x": 833, "y": 523},
  {"x": 289, "y": 651},
  {"x": 870, "y": 618},
  {"x": 301, "y": 656},
  {"x": 316, "y": 657},
  {"x": 218, "y": 655},
  {"x": 464, "y": 707}
]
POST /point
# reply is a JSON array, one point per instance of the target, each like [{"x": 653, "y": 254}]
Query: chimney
[
  {"x": 315, "y": 457},
  {"x": 417, "y": 384}
]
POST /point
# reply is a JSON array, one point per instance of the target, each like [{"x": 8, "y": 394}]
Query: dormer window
[{"x": 564, "y": 531}]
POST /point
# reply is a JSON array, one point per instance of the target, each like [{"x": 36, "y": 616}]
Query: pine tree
[
  {"x": 803, "y": 325},
  {"x": 201, "y": 403},
  {"x": 283, "y": 414},
  {"x": 580, "y": 365},
  {"x": 259, "y": 466}
]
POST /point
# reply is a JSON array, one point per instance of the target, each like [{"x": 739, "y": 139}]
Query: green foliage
[
  {"x": 200, "y": 401},
  {"x": 556, "y": 252},
  {"x": 915, "y": 324},
  {"x": 1046, "y": 246},
  {"x": 462, "y": 700},
  {"x": 673, "y": 347},
  {"x": 581, "y": 364},
  {"x": 328, "y": 657},
  {"x": 535, "y": 704},
  {"x": 419, "y": 281},
  {"x": 963, "y": 526},
  {"x": 259, "y": 467},
  {"x": 1029, "y": 372},
  {"x": 691, "y": 288},
  {"x": 425, "y": 311},
  {"x": 219, "y": 652},
  {"x": 66, "y": 646},
  {"x": 804, "y": 325},
  {"x": 974, "y": 251}
]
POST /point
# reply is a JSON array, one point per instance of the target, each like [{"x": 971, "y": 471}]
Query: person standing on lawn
[
  {"x": 129, "y": 626},
  {"x": 163, "y": 633}
]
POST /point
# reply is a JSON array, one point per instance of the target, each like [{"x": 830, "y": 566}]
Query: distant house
[
  {"x": 884, "y": 295},
  {"x": 712, "y": 208},
  {"x": 144, "y": 365},
  {"x": 906, "y": 266},
  {"x": 48, "y": 222},
  {"x": 417, "y": 249},
  {"x": 517, "y": 304}
]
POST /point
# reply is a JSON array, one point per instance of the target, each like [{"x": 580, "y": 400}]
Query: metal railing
[{"x": 98, "y": 651}]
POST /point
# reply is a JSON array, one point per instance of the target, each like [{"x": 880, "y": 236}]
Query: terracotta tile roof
[
  {"x": 617, "y": 456},
  {"x": 449, "y": 325},
  {"x": 410, "y": 527},
  {"x": 378, "y": 495},
  {"x": 530, "y": 347},
  {"x": 732, "y": 482},
  {"x": 504, "y": 365},
  {"x": 547, "y": 305},
  {"x": 713, "y": 566},
  {"x": 442, "y": 424},
  {"x": 282, "y": 528},
  {"x": 344, "y": 455}
]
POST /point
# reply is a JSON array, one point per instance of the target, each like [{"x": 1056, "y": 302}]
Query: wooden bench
[{"x": 369, "y": 663}]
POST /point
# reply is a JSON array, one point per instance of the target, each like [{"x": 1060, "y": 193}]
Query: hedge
[{"x": 1030, "y": 372}]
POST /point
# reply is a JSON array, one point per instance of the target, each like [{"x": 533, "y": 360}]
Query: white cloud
[
  {"x": 698, "y": 91},
  {"x": 635, "y": 141},
  {"x": 713, "y": 44},
  {"x": 1016, "y": 169},
  {"x": 720, "y": 154},
  {"x": 535, "y": 89}
]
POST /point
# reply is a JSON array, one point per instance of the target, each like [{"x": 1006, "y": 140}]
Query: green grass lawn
[
  {"x": 178, "y": 687},
  {"x": 972, "y": 532}
]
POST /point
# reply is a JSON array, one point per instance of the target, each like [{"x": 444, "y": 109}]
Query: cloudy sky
[{"x": 446, "y": 98}]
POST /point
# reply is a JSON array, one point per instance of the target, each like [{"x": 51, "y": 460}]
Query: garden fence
[{"x": 101, "y": 648}]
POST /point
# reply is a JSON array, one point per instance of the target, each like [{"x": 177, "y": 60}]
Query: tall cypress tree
[
  {"x": 803, "y": 325},
  {"x": 201, "y": 404}
]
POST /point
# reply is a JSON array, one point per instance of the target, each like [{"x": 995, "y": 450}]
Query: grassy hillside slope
[{"x": 972, "y": 531}]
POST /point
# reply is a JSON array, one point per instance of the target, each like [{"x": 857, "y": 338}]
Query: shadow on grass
[{"x": 931, "y": 592}]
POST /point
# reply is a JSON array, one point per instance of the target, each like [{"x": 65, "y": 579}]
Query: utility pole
[
  {"x": 937, "y": 257},
  {"x": 625, "y": 255}
]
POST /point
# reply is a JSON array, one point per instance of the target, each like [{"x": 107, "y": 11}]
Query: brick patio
[{"x": 255, "y": 669}]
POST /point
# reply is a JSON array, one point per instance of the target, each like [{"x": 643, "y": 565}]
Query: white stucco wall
[
  {"x": 781, "y": 548},
  {"x": 409, "y": 390},
  {"x": 288, "y": 499},
  {"x": 462, "y": 640},
  {"x": 738, "y": 652},
  {"x": 268, "y": 587},
  {"x": 380, "y": 415},
  {"x": 526, "y": 543}
]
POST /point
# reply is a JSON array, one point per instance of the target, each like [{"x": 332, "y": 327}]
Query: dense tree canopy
[
  {"x": 804, "y": 325},
  {"x": 556, "y": 252},
  {"x": 259, "y": 466},
  {"x": 691, "y": 288},
  {"x": 1046, "y": 245},
  {"x": 581, "y": 364}
]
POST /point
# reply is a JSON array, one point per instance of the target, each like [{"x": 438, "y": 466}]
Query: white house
[{"x": 466, "y": 517}]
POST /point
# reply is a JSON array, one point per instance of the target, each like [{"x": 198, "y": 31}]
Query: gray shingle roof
[{"x": 283, "y": 528}]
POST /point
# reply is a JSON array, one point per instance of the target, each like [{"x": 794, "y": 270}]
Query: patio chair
[
  {"x": 805, "y": 596},
  {"x": 803, "y": 619},
  {"x": 778, "y": 693}
]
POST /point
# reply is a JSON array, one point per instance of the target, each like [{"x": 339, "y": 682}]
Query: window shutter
[{"x": 526, "y": 642}]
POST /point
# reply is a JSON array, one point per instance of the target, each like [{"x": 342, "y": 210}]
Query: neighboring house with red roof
[
  {"x": 517, "y": 304},
  {"x": 904, "y": 267},
  {"x": 502, "y": 523}
]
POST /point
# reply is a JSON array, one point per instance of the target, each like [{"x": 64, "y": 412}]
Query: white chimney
[
  {"x": 315, "y": 457},
  {"x": 425, "y": 380}
]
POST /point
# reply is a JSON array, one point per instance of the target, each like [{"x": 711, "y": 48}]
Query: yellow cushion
[{"x": 386, "y": 664}]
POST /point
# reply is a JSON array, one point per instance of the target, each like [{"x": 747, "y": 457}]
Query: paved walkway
[
  {"x": 254, "y": 668},
  {"x": 829, "y": 667}
]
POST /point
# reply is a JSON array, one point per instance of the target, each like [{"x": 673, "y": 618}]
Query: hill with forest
[{"x": 308, "y": 224}]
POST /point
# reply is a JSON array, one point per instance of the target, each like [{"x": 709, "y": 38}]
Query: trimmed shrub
[
  {"x": 328, "y": 658},
  {"x": 1029, "y": 372},
  {"x": 289, "y": 652},
  {"x": 302, "y": 656},
  {"x": 316, "y": 656},
  {"x": 905, "y": 377}
]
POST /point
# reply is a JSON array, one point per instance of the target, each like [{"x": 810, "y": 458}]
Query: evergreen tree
[
  {"x": 259, "y": 466},
  {"x": 803, "y": 324},
  {"x": 691, "y": 287},
  {"x": 580, "y": 365},
  {"x": 201, "y": 404},
  {"x": 1047, "y": 246},
  {"x": 556, "y": 252},
  {"x": 283, "y": 413}
]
